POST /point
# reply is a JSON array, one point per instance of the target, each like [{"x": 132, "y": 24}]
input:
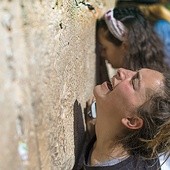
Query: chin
[{"x": 100, "y": 91}]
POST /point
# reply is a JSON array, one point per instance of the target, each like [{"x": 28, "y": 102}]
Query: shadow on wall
[{"x": 79, "y": 135}]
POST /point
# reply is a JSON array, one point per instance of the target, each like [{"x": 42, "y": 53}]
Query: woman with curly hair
[{"x": 126, "y": 39}]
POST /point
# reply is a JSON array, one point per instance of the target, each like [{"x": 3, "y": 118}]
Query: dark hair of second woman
[{"x": 144, "y": 47}]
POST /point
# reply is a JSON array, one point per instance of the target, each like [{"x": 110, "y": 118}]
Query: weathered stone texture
[
  {"x": 16, "y": 121},
  {"x": 47, "y": 74}
]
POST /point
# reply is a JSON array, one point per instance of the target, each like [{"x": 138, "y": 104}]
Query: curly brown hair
[{"x": 145, "y": 49}]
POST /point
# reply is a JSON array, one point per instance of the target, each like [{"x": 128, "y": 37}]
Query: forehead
[
  {"x": 148, "y": 74},
  {"x": 151, "y": 79}
]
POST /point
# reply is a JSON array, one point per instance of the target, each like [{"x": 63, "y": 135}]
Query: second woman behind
[{"x": 126, "y": 39}]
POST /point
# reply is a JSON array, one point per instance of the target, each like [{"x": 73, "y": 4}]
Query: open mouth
[{"x": 109, "y": 85}]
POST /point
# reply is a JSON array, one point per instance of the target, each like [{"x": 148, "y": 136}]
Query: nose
[{"x": 123, "y": 74}]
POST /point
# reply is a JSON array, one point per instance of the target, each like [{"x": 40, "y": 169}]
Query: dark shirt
[{"x": 131, "y": 163}]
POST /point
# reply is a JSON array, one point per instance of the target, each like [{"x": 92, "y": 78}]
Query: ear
[{"x": 132, "y": 122}]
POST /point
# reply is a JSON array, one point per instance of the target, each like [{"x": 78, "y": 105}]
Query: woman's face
[
  {"x": 114, "y": 54},
  {"x": 128, "y": 90}
]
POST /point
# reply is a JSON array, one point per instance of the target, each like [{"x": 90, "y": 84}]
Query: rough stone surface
[{"x": 47, "y": 74}]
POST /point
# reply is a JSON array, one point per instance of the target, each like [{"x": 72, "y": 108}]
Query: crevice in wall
[
  {"x": 90, "y": 7},
  {"x": 87, "y": 4}
]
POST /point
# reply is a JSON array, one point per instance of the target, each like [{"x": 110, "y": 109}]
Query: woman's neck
[
  {"x": 105, "y": 151},
  {"x": 107, "y": 146}
]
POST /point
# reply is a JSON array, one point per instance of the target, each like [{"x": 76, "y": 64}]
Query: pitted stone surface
[{"x": 47, "y": 74}]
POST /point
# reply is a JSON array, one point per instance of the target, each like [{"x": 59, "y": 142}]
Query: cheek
[
  {"x": 126, "y": 95},
  {"x": 104, "y": 53},
  {"x": 124, "y": 88},
  {"x": 111, "y": 56},
  {"x": 115, "y": 57},
  {"x": 130, "y": 98}
]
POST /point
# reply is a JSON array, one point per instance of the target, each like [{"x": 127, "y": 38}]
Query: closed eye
[{"x": 136, "y": 81}]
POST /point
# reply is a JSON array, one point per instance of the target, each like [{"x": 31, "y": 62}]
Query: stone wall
[{"x": 47, "y": 74}]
